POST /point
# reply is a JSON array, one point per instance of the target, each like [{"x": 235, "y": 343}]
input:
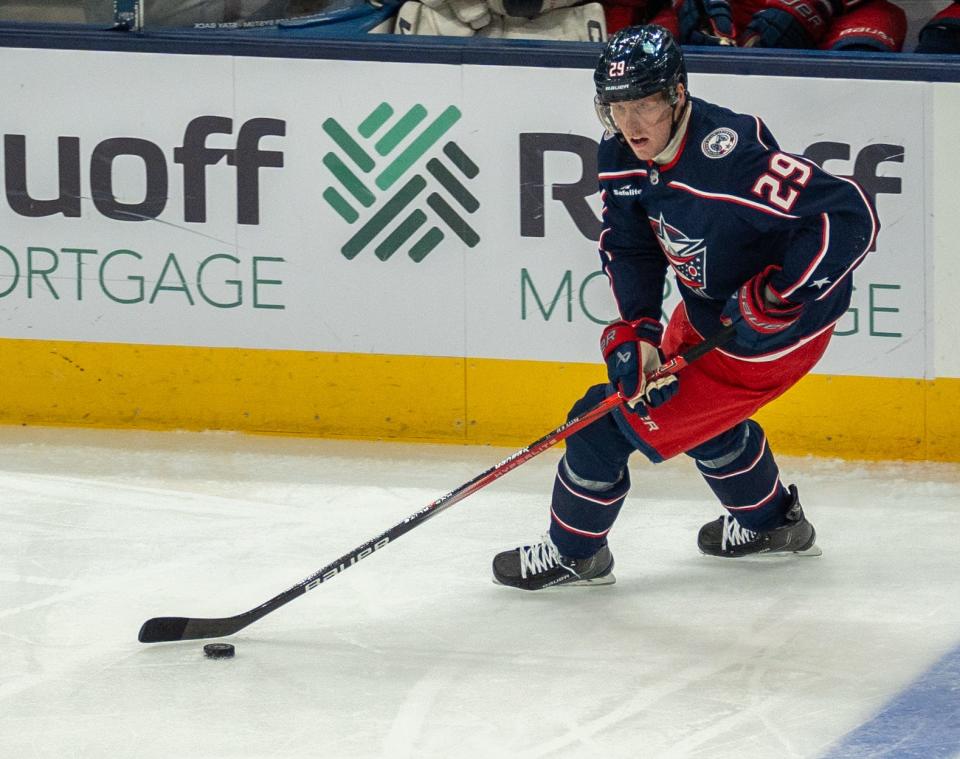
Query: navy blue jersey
[{"x": 729, "y": 205}]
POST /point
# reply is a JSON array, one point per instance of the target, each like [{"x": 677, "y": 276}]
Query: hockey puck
[{"x": 218, "y": 650}]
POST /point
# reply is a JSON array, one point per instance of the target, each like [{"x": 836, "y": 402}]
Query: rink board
[
  {"x": 392, "y": 253},
  {"x": 448, "y": 400},
  {"x": 399, "y": 210}
]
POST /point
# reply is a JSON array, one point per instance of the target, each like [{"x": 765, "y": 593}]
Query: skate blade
[
  {"x": 813, "y": 550},
  {"x": 609, "y": 579}
]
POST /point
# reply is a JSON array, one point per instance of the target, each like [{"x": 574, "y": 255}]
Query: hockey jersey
[{"x": 729, "y": 205}]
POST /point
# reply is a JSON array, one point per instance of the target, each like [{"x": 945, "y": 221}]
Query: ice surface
[{"x": 414, "y": 652}]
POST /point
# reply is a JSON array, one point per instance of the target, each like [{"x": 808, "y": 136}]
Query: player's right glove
[
  {"x": 759, "y": 315},
  {"x": 631, "y": 352}
]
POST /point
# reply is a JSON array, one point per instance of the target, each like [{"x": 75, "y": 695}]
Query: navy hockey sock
[
  {"x": 740, "y": 469},
  {"x": 598, "y": 452},
  {"x": 582, "y": 512}
]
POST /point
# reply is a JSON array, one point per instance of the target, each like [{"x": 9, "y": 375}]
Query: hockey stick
[{"x": 161, "y": 629}]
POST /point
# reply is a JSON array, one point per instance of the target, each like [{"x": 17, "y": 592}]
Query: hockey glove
[
  {"x": 706, "y": 22},
  {"x": 876, "y": 26},
  {"x": 759, "y": 315},
  {"x": 630, "y": 350},
  {"x": 787, "y": 24},
  {"x": 941, "y": 34}
]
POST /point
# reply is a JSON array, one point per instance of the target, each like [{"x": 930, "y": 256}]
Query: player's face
[{"x": 645, "y": 124}]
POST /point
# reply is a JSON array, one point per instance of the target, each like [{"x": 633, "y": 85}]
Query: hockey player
[{"x": 756, "y": 237}]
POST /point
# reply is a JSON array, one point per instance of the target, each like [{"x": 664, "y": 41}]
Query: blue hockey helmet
[{"x": 637, "y": 62}]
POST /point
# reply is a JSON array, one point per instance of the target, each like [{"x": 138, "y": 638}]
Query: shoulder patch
[{"x": 719, "y": 143}]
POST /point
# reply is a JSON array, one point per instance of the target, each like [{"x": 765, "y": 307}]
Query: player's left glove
[
  {"x": 758, "y": 313},
  {"x": 631, "y": 352}
]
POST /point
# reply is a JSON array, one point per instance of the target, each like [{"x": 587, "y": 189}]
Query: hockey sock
[
  {"x": 740, "y": 469},
  {"x": 598, "y": 452},
  {"x": 583, "y": 511}
]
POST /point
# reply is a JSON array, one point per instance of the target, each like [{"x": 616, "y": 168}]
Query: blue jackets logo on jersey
[
  {"x": 719, "y": 143},
  {"x": 687, "y": 256}
]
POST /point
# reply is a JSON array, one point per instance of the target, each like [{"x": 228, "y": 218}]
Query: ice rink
[{"x": 414, "y": 652}]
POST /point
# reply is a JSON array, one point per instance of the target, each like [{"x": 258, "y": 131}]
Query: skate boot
[
  {"x": 725, "y": 537},
  {"x": 541, "y": 566}
]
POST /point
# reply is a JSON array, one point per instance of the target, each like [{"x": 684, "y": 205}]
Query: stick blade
[{"x": 160, "y": 629}]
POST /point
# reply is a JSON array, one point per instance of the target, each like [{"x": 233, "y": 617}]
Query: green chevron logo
[{"x": 382, "y": 169}]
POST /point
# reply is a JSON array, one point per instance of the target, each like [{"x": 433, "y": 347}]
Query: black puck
[{"x": 218, "y": 650}]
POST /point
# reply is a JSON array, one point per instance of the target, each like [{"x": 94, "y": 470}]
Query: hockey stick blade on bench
[{"x": 160, "y": 629}]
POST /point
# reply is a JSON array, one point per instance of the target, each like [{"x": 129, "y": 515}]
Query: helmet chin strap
[
  {"x": 675, "y": 116},
  {"x": 674, "y": 123}
]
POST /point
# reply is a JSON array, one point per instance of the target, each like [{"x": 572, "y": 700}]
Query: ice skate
[
  {"x": 538, "y": 566},
  {"x": 725, "y": 537}
]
